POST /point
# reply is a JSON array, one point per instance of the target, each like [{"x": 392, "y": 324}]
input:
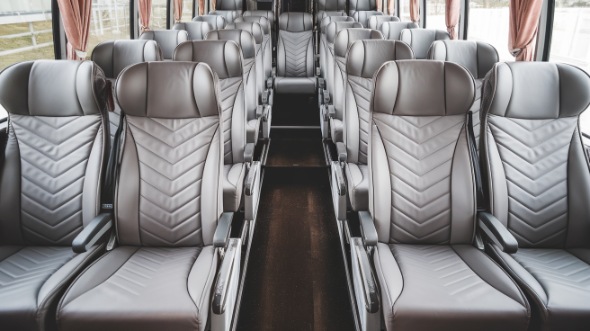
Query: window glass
[
  {"x": 488, "y": 22},
  {"x": 435, "y": 15},
  {"x": 404, "y": 11},
  {"x": 187, "y": 11},
  {"x": 158, "y": 18},
  {"x": 109, "y": 21}
]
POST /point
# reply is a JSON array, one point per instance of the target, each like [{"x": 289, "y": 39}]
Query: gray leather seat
[
  {"x": 229, "y": 15},
  {"x": 423, "y": 207},
  {"x": 225, "y": 59},
  {"x": 421, "y": 39},
  {"x": 168, "y": 205},
  {"x": 295, "y": 55},
  {"x": 269, "y": 15},
  {"x": 320, "y": 16},
  {"x": 217, "y": 22},
  {"x": 323, "y": 47},
  {"x": 266, "y": 44},
  {"x": 196, "y": 30},
  {"x": 477, "y": 57},
  {"x": 363, "y": 60},
  {"x": 248, "y": 46},
  {"x": 327, "y": 8},
  {"x": 166, "y": 39},
  {"x": 344, "y": 40},
  {"x": 114, "y": 56},
  {"x": 376, "y": 21},
  {"x": 50, "y": 183},
  {"x": 538, "y": 183},
  {"x": 230, "y": 9},
  {"x": 362, "y": 10},
  {"x": 393, "y": 30}
]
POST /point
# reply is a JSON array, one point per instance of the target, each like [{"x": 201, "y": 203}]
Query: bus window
[
  {"x": 435, "y": 15},
  {"x": 187, "y": 11},
  {"x": 25, "y": 32},
  {"x": 158, "y": 18},
  {"x": 488, "y": 22},
  {"x": 109, "y": 21},
  {"x": 404, "y": 11}
]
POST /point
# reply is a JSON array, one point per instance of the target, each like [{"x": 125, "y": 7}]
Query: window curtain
[
  {"x": 201, "y": 8},
  {"x": 415, "y": 10},
  {"x": 452, "y": 12},
  {"x": 145, "y": 12},
  {"x": 177, "y": 10},
  {"x": 379, "y": 4},
  {"x": 75, "y": 15},
  {"x": 391, "y": 7},
  {"x": 524, "y": 20}
]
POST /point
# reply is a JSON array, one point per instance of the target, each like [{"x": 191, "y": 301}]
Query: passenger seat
[
  {"x": 217, "y": 22},
  {"x": 229, "y": 9},
  {"x": 270, "y": 16},
  {"x": 363, "y": 10},
  {"x": 393, "y": 30},
  {"x": 421, "y": 39},
  {"x": 327, "y": 8},
  {"x": 375, "y": 22},
  {"x": 196, "y": 30},
  {"x": 166, "y": 39}
]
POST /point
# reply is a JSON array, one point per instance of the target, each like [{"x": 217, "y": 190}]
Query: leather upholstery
[
  {"x": 331, "y": 31},
  {"x": 362, "y": 10},
  {"x": 393, "y": 30},
  {"x": 268, "y": 14},
  {"x": 376, "y": 21},
  {"x": 49, "y": 181},
  {"x": 363, "y": 17},
  {"x": 229, "y": 5},
  {"x": 229, "y": 15},
  {"x": 322, "y": 14},
  {"x": 217, "y": 22},
  {"x": 167, "y": 203},
  {"x": 196, "y": 30},
  {"x": 422, "y": 200},
  {"x": 266, "y": 41},
  {"x": 330, "y": 5},
  {"x": 537, "y": 173},
  {"x": 295, "y": 22},
  {"x": 421, "y": 39},
  {"x": 166, "y": 39},
  {"x": 323, "y": 51}
]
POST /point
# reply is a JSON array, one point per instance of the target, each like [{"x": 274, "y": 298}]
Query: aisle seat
[
  {"x": 393, "y": 30},
  {"x": 166, "y": 39},
  {"x": 421, "y": 39}
]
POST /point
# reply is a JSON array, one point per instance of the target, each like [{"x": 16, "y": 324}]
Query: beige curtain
[
  {"x": 452, "y": 12},
  {"x": 177, "y": 10},
  {"x": 524, "y": 20},
  {"x": 201, "y": 7},
  {"x": 75, "y": 15},
  {"x": 145, "y": 12},
  {"x": 390, "y": 7},
  {"x": 415, "y": 10}
]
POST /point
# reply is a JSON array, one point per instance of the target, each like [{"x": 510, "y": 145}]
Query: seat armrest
[
  {"x": 249, "y": 152},
  {"x": 265, "y": 112},
  {"x": 91, "y": 233},
  {"x": 223, "y": 230},
  {"x": 222, "y": 289},
  {"x": 259, "y": 111},
  {"x": 338, "y": 187},
  {"x": 368, "y": 230},
  {"x": 250, "y": 182},
  {"x": 252, "y": 190},
  {"x": 269, "y": 82},
  {"x": 326, "y": 96},
  {"x": 369, "y": 284},
  {"x": 494, "y": 230},
  {"x": 339, "y": 178},
  {"x": 331, "y": 111},
  {"x": 341, "y": 151},
  {"x": 321, "y": 82}
]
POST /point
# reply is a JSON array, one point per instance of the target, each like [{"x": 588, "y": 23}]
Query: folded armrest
[
  {"x": 331, "y": 111},
  {"x": 368, "y": 230},
  {"x": 265, "y": 112},
  {"x": 91, "y": 233},
  {"x": 223, "y": 230},
  {"x": 269, "y": 82},
  {"x": 341, "y": 150},
  {"x": 222, "y": 289},
  {"x": 369, "y": 285},
  {"x": 495, "y": 231},
  {"x": 252, "y": 190},
  {"x": 338, "y": 191},
  {"x": 249, "y": 152}
]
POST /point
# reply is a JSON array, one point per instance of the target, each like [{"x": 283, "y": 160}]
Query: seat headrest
[
  {"x": 229, "y": 15},
  {"x": 263, "y": 21},
  {"x": 362, "y": 5},
  {"x": 269, "y": 15},
  {"x": 329, "y": 19},
  {"x": 196, "y": 30},
  {"x": 228, "y": 4},
  {"x": 114, "y": 56},
  {"x": 421, "y": 39},
  {"x": 217, "y": 22},
  {"x": 365, "y": 57},
  {"x": 253, "y": 28},
  {"x": 376, "y": 21},
  {"x": 478, "y": 57},
  {"x": 333, "y": 28},
  {"x": 401, "y": 88},
  {"x": 323, "y": 14},
  {"x": 53, "y": 88},
  {"x": 295, "y": 22},
  {"x": 168, "y": 90},
  {"x": 346, "y": 37},
  {"x": 536, "y": 90},
  {"x": 166, "y": 39},
  {"x": 224, "y": 57},
  {"x": 393, "y": 30},
  {"x": 243, "y": 38}
]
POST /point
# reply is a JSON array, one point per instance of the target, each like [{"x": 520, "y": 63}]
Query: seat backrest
[
  {"x": 55, "y": 151},
  {"x": 229, "y": 5},
  {"x": 331, "y": 31},
  {"x": 362, "y": 10},
  {"x": 323, "y": 41},
  {"x": 376, "y": 21},
  {"x": 256, "y": 31},
  {"x": 422, "y": 186},
  {"x": 248, "y": 46},
  {"x": 363, "y": 59},
  {"x": 535, "y": 164},
  {"x": 295, "y": 52},
  {"x": 363, "y": 17},
  {"x": 217, "y": 22},
  {"x": 166, "y": 39},
  {"x": 196, "y": 30},
  {"x": 330, "y": 5},
  {"x": 321, "y": 15},
  {"x": 266, "y": 40},
  {"x": 225, "y": 59},
  {"x": 229, "y": 15},
  {"x": 393, "y": 30},
  {"x": 169, "y": 190},
  {"x": 421, "y": 39},
  {"x": 268, "y": 14}
]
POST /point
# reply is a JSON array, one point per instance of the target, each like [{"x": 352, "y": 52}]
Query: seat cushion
[
  {"x": 233, "y": 183},
  {"x": 133, "y": 288},
  {"x": 357, "y": 177},
  {"x": 557, "y": 280},
  {"x": 31, "y": 280},
  {"x": 252, "y": 130},
  {"x": 452, "y": 287},
  {"x": 295, "y": 85}
]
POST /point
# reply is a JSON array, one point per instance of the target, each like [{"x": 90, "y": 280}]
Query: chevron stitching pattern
[
  {"x": 228, "y": 91},
  {"x": 534, "y": 154},
  {"x": 150, "y": 269},
  {"x": 556, "y": 267},
  {"x": 440, "y": 267},
  {"x": 26, "y": 270},
  {"x": 54, "y": 153},
  {"x": 362, "y": 88},
  {"x": 172, "y": 155},
  {"x": 296, "y": 45},
  {"x": 420, "y": 152}
]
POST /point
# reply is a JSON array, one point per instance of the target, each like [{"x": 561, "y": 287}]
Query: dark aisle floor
[
  {"x": 295, "y": 148},
  {"x": 295, "y": 110}
]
